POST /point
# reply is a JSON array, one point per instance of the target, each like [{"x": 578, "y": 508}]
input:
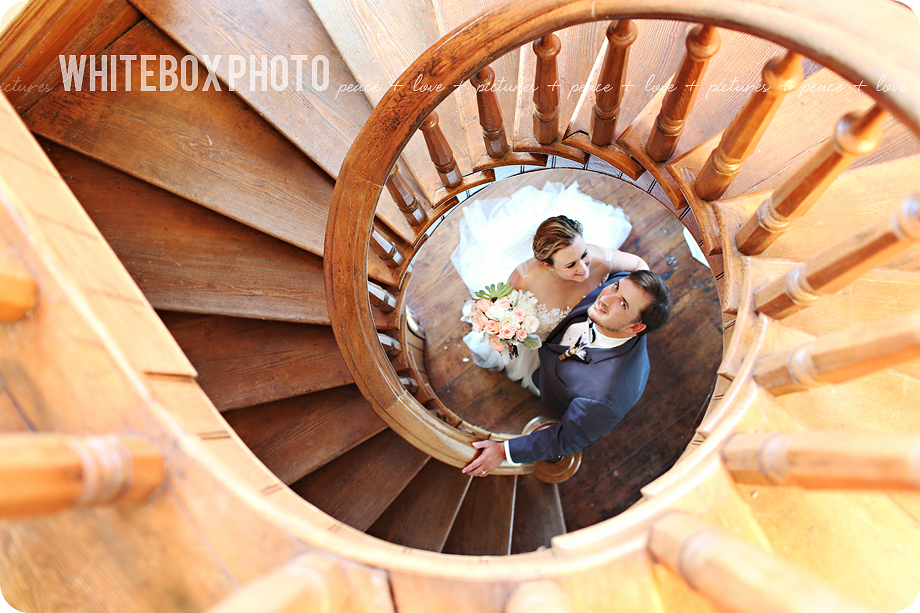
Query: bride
[{"x": 563, "y": 269}]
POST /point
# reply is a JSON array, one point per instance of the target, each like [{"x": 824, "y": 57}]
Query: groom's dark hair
[{"x": 659, "y": 309}]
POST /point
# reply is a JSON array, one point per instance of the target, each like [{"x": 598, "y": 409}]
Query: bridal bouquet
[{"x": 506, "y": 316}]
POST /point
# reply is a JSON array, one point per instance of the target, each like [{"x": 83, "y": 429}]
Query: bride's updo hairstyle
[{"x": 554, "y": 234}]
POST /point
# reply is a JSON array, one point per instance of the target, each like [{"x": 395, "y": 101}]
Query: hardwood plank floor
[{"x": 684, "y": 355}]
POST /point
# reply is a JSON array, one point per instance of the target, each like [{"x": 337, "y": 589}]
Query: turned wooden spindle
[
  {"x": 781, "y": 75},
  {"x": 380, "y": 298},
  {"x": 490, "y": 113},
  {"x": 391, "y": 346},
  {"x": 702, "y": 43},
  {"x": 857, "y": 134},
  {"x": 620, "y": 36},
  {"x": 43, "y": 473},
  {"x": 546, "y": 86},
  {"x": 735, "y": 575},
  {"x": 837, "y": 265},
  {"x": 539, "y": 597},
  {"x": 410, "y": 384},
  {"x": 17, "y": 291},
  {"x": 386, "y": 250},
  {"x": 405, "y": 199},
  {"x": 441, "y": 154},
  {"x": 840, "y": 460},
  {"x": 308, "y": 583},
  {"x": 841, "y": 356}
]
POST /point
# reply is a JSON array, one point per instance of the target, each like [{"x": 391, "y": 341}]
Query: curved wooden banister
[{"x": 403, "y": 110}]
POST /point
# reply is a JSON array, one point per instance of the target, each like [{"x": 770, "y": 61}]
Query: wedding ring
[{"x": 482, "y": 472}]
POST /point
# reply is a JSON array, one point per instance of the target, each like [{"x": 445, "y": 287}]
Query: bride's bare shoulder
[{"x": 522, "y": 275}]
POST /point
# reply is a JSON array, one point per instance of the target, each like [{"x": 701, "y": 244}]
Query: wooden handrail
[
  {"x": 837, "y": 265},
  {"x": 781, "y": 75},
  {"x": 43, "y": 473},
  {"x": 406, "y": 201},
  {"x": 841, "y": 356},
  {"x": 844, "y": 460},
  {"x": 17, "y": 291},
  {"x": 620, "y": 36},
  {"x": 545, "y": 95},
  {"x": 857, "y": 134},
  {"x": 441, "y": 154},
  {"x": 490, "y": 113},
  {"x": 539, "y": 597},
  {"x": 308, "y": 583},
  {"x": 703, "y": 42},
  {"x": 735, "y": 575}
]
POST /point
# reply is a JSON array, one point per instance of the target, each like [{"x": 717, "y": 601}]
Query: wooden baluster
[
  {"x": 620, "y": 36},
  {"x": 44, "y": 473},
  {"x": 380, "y": 298},
  {"x": 385, "y": 250},
  {"x": 833, "y": 267},
  {"x": 841, "y": 356},
  {"x": 405, "y": 199},
  {"x": 410, "y": 384},
  {"x": 490, "y": 113},
  {"x": 545, "y": 95},
  {"x": 17, "y": 291},
  {"x": 781, "y": 75},
  {"x": 308, "y": 583},
  {"x": 441, "y": 154},
  {"x": 840, "y": 460},
  {"x": 539, "y": 597},
  {"x": 703, "y": 42},
  {"x": 856, "y": 134},
  {"x": 735, "y": 575},
  {"x": 392, "y": 346}
]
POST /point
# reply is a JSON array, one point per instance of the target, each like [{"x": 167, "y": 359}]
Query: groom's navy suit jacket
[{"x": 591, "y": 397}]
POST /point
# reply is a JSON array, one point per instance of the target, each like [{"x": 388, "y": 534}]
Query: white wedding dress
[{"x": 496, "y": 235}]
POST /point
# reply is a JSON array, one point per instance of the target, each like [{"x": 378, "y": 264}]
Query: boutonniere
[{"x": 577, "y": 351}]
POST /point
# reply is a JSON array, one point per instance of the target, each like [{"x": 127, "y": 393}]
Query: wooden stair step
[
  {"x": 189, "y": 143},
  {"x": 245, "y": 362},
  {"x": 295, "y": 436},
  {"x": 402, "y": 32},
  {"x": 357, "y": 487},
  {"x": 319, "y": 115},
  {"x": 537, "y": 515},
  {"x": 485, "y": 521},
  {"x": 423, "y": 514},
  {"x": 580, "y": 46},
  {"x": 185, "y": 257}
]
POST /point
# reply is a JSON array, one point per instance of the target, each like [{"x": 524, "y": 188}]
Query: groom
[{"x": 593, "y": 369}]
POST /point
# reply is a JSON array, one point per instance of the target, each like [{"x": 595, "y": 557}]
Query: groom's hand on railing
[{"x": 493, "y": 454}]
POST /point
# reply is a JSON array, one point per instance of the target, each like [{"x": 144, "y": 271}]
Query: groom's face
[{"x": 618, "y": 307}]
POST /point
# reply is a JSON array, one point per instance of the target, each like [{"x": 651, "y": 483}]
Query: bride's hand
[{"x": 493, "y": 454}]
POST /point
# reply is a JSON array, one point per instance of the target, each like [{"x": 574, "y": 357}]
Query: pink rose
[
  {"x": 493, "y": 327},
  {"x": 531, "y": 324},
  {"x": 503, "y": 304},
  {"x": 506, "y": 332},
  {"x": 482, "y": 304},
  {"x": 519, "y": 314},
  {"x": 496, "y": 344},
  {"x": 479, "y": 321},
  {"x": 522, "y": 335}
]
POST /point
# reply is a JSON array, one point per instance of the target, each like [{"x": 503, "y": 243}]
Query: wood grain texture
[
  {"x": 422, "y": 515},
  {"x": 295, "y": 436},
  {"x": 44, "y": 30},
  {"x": 485, "y": 521},
  {"x": 321, "y": 115},
  {"x": 357, "y": 487},
  {"x": 185, "y": 257},
  {"x": 537, "y": 515},
  {"x": 244, "y": 362},
  {"x": 205, "y": 146}
]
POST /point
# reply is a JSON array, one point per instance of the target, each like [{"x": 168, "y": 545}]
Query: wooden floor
[{"x": 684, "y": 354}]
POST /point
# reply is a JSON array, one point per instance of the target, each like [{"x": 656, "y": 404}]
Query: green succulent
[{"x": 495, "y": 291}]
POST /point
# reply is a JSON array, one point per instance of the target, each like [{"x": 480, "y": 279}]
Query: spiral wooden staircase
[{"x": 258, "y": 225}]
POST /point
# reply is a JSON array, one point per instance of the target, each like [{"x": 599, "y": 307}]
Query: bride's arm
[{"x": 621, "y": 261}]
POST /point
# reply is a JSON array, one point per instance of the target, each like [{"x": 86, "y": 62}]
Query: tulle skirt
[{"x": 497, "y": 234}]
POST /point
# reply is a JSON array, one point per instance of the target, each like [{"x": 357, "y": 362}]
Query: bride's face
[{"x": 573, "y": 263}]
